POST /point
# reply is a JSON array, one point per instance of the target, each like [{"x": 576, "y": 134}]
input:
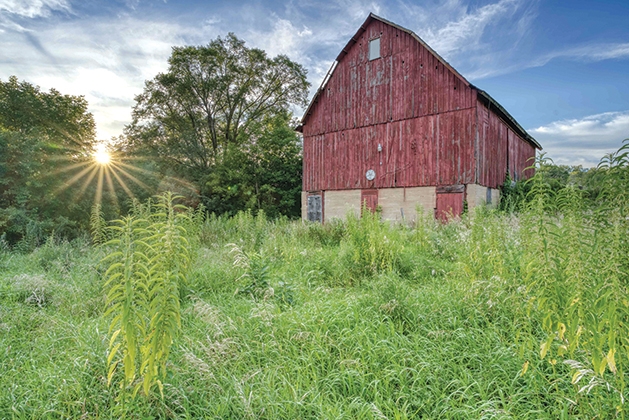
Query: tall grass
[{"x": 495, "y": 315}]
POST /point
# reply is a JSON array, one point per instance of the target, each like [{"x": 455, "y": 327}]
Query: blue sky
[{"x": 561, "y": 68}]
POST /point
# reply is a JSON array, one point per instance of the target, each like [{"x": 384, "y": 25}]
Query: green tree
[
  {"x": 41, "y": 134},
  {"x": 215, "y": 113},
  {"x": 266, "y": 175}
]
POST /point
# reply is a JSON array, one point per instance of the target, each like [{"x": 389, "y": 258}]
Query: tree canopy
[
  {"x": 40, "y": 134},
  {"x": 219, "y": 111}
]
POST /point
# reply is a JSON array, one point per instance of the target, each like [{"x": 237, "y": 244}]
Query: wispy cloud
[
  {"x": 32, "y": 8},
  {"x": 594, "y": 52},
  {"x": 583, "y": 53},
  {"x": 455, "y": 30},
  {"x": 466, "y": 32},
  {"x": 107, "y": 61},
  {"x": 583, "y": 141},
  {"x": 467, "y": 36}
]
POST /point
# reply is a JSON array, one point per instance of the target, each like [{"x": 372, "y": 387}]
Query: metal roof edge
[{"x": 507, "y": 117}]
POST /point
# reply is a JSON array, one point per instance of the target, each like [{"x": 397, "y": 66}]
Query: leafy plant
[
  {"x": 150, "y": 262},
  {"x": 575, "y": 266},
  {"x": 369, "y": 245},
  {"x": 98, "y": 225}
]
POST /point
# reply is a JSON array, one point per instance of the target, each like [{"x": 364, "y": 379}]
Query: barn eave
[{"x": 506, "y": 117}]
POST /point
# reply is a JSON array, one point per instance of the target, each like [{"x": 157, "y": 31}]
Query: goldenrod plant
[
  {"x": 98, "y": 225},
  {"x": 149, "y": 263}
]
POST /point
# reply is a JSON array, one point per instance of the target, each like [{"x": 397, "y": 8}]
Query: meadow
[{"x": 496, "y": 315}]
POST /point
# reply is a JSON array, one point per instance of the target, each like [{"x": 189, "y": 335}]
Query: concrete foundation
[
  {"x": 397, "y": 204},
  {"x": 477, "y": 195},
  {"x": 304, "y": 205},
  {"x": 337, "y": 204},
  {"x": 400, "y": 204}
]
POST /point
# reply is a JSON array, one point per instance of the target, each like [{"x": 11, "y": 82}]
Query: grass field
[{"x": 355, "y": 320}]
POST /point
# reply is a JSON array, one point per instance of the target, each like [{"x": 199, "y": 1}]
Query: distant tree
[
  {"x": 594, "y": 183},
  {"x": 41, "y": 133},
  {"x": 211, "y": 117}
]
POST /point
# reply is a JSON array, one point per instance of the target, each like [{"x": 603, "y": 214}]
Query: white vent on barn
[{"x": 374, "y": 49}]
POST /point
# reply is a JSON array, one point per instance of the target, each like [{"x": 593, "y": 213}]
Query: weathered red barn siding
[
  {"x": 407, "y": 81},
  {"x": 421, "y": 113},
  {"x": 429, "y": 150},
  {"x": 500, "y": 148},
  {"x": 449, "y": 204},
  {"x": 411, "y": 118},
  {"x": 520, "y": 157},
  {"x": 369, "y": 199}
]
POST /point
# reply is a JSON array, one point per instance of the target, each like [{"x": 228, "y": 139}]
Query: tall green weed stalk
[
  {"x": 149, "y": 263},
  {"x": 98, "y": 225},
  {"x": 575, "y": 266}
]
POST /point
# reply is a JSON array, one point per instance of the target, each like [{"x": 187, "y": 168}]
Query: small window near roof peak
[{"x": 374, "y": 49}]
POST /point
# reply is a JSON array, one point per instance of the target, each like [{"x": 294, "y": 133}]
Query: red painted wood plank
[
  {"x": 430, "y": 125},
  {"x": 449, "y": 205}
]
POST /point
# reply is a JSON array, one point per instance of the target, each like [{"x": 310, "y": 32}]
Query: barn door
[
  {"x": 369, "y": 199},
  {"x": 315, "y": 209},
  {"x": 449, "y": 201}
]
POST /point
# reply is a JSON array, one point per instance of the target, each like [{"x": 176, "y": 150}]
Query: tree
[
  {"x": 266, "y": 175},
  {"x": 212, "y": 97},
  {"x": 41, "y": 133},
  {"x": 215, "y": 103}
]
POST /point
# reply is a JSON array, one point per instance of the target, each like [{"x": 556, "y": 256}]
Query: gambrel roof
[{"x": 483, "y": 96}]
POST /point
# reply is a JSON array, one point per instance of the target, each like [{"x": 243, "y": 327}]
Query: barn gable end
[{"x": 409, "y": 118}]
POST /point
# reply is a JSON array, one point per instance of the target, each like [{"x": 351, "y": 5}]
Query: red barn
[{"x": 394, "y": 125}]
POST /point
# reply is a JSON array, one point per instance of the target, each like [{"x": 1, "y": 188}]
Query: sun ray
[
  {"x": 132, "y": 178},
  {"x": 110, "y": 187},
  {"x": 123, "y": 185},
  {"x": 99, "y": 187},
  {"x": 86, "y": 183},
  {"x": 74, "y": 179},
  {"x": 69, "y": 168},
  {"x": 182, "y": 182},
  {"x": 66, "y": 148}
]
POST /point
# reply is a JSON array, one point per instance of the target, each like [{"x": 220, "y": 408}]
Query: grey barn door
[{"x": 314, "y": 208}]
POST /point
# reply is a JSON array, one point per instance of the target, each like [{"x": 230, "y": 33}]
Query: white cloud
[
  {"x": 467, "y": 31},
  {"x": 284, "y": 38},
  {"x": 583, "y": 141},
  {"x": 33, "y": 8},
  {"x": 107, "y": 61}
]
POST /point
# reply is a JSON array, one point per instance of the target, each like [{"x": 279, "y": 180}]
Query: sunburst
[
  {"x": 101, "y": 155},
  {"x": 110, "y": 170}
]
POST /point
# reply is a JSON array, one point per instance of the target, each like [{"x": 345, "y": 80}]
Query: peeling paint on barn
[{"x": 402, "y": 118}]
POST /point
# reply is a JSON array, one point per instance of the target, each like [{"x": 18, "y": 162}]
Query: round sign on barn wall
[{"x": 371, "y": 174}]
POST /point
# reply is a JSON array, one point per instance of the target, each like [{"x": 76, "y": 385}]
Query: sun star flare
[{"x": 101, "y": 155}]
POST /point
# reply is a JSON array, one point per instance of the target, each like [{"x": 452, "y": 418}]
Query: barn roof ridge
[{"x": 509, "y": 119}]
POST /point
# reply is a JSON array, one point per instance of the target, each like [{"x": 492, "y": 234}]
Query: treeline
[
  {"x": 42, "y": 134},
  {"x": 216, "y": 127},
  {"x": 590, "y": 182}
]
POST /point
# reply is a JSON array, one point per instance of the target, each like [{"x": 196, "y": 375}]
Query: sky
[{"x": 561, "y": 68}]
